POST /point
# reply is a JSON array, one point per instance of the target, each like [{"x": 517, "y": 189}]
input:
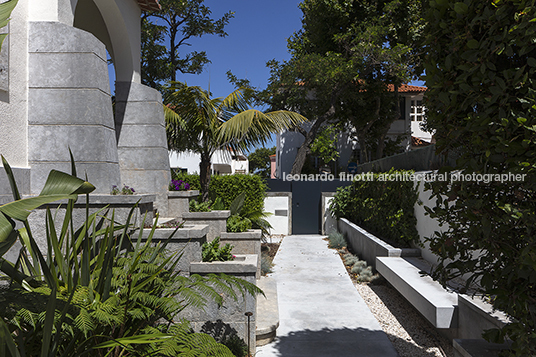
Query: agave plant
[{"x": 96, "y": 291}]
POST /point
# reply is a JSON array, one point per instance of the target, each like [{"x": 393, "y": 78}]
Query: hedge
[
  {"x": 227, "y": 187},
  {"x": 384, "y": 208}
]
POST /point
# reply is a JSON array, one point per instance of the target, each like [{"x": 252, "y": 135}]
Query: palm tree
[{"x": 201, "y": 124}]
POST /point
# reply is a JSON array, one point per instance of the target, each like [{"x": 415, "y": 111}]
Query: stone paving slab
[{"x": 320, "y": 311}]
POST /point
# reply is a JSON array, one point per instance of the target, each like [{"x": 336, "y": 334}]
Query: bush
[
  {"x": 228, "y": 187},
  {"x": 238, "y": 224},
  {"x": 196, "y": 206},
  {"x": 336, "y": 240},
  {"x": 382, "y": 207},
  {"x": 211, "y": 251}
]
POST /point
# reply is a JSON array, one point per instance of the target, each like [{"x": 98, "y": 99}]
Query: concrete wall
[
  {"x": 13, "y": 101},
  {"x": 279, "y": 204},
  {"x": 69, "y": 106}
]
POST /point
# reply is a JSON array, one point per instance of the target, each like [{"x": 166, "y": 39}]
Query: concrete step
[
  {"x": 436, "y": 304},
  {"x": 267, "y": 312}
]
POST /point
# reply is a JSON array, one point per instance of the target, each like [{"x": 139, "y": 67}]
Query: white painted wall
[
  {"x": 279, "y": 201},
  {"x": 13, "y": 103},
  {"x": 190, "y": 161}
]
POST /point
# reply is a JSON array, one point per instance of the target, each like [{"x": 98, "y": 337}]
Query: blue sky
[{"x": 257, "y": 33}]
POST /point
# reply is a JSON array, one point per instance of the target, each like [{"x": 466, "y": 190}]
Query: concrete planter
[
  {"x": 179, "y": 202},
  {"x": 216, "y": 220},
  {"x": 365, "y": 244},
  {"x": 231, "y": 316},
  {"x": 187, "y": 240},
  {"x": 245, "y": 243},
  {"x": 120, "y": 204}
]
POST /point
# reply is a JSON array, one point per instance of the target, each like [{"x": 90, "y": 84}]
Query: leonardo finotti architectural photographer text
[{"x": 407, "y": 176}]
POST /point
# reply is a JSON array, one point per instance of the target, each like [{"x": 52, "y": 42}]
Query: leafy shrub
[
  {"x": 228, "y": 187},
  {"x": 211, "y": 251},
  {"x": 382, "y": 207},
  {"x": 196, "y": 206},
  {"x": 238, "y": 224},
  {"x": 336, "y": 240}
]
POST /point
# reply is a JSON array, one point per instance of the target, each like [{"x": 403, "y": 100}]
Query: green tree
[
  {"x": 166, "y": 32},
  {"x": 481, "y": 102},
  {"x": 5, "y": 12},
  {"x": 259, "y": 161},
  {"x": 201, "y": 124},
  {"x": 345, "y": 61},
  {"x": 325, "y": 144}
]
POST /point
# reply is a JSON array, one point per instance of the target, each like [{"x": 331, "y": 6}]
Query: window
[{"x": 416, "y": 111}]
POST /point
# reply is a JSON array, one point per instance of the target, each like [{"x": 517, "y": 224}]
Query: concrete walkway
[{"x": 320, "y": 311}]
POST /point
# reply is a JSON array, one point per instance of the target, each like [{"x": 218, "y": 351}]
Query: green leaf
[
  {"x": 461, "y": 8},
  {"x": 472, "y": 44},
  {"x": 531, "y": 61}
]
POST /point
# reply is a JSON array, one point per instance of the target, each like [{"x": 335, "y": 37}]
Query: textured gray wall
[
  {"x": 69, "y": 106},
  {"x": 142, "y": 142}
]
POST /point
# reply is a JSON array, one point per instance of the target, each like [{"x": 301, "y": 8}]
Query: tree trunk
[
  {"x": 305, "y": 146},
  {"x": 204, "y": 176}
]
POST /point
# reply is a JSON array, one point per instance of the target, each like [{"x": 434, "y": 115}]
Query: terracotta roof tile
[
  {"x": 149, "y": 5},
  {"x": 406, "y": 88}
]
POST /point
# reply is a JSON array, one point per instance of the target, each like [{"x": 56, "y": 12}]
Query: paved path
[{"x": 320, "y": 311}]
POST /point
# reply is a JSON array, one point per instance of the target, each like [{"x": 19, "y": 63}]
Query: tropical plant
[
  {"x": 97, "y": 292},
  {"x": 237, "y": 224},
  {"x": 196, "y": 206},
  {"x": 211, "y": 251},
  {"x": 251, "y": 218},
  {"x": 197, "y": 123},
  {"x": 5, "y": 12}
]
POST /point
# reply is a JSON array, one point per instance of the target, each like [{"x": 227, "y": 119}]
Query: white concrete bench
[{"x": 436, "y": 304}]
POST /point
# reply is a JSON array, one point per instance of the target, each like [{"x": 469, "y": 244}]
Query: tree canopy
[
  {"x": 343, "y": 60},
  {"x": 166, "y": 32},
  {"x": 480, "y": 72},
  {"x": 259, "y": 161}
]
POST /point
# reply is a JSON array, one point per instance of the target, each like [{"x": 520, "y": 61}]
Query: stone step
[{"x": 267, "y": 311}]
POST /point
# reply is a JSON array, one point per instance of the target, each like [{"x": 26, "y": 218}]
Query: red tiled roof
[
  {"x": 149, "y": 5},
  {"x": 406, "y": 88}
]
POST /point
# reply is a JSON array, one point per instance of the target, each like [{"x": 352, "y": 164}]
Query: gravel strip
[{"x": 410, "y": 333}]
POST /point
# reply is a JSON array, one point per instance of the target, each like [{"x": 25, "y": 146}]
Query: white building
[
  {"x": 288, "y": 142},
  {"x": 223, "y": 162}
]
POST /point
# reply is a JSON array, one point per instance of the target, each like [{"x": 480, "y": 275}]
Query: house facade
[
  {"x": 55, "y": 95},
  {"x": 223, "y": 162},
  {"x": 408, "y": 126}
]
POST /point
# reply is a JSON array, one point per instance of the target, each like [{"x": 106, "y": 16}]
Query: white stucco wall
[
  {"x": 190, "y": 161},
  {"x": 13, "y": 103},
  {"x": 280, "y": 202}
]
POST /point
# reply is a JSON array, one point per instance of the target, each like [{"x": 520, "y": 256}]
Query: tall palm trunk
[{"x": 204, "y": 175}]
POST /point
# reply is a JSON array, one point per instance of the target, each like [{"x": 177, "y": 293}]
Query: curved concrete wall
[
  {"x": 69, "y": 106},
  {"x": 142, "y": 142}
]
